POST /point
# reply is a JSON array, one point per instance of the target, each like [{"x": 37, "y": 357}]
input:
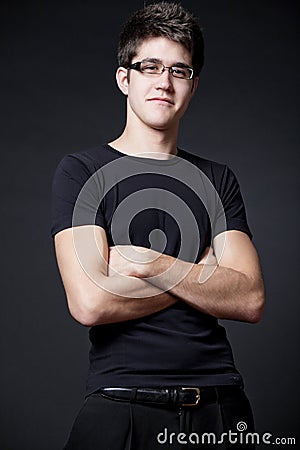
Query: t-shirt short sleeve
[
  {"x": 231, "y": 206},
  {"x": 71, "y": 180}
]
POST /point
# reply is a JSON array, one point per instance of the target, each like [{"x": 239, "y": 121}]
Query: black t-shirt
[{"x": 175, "y": 206}]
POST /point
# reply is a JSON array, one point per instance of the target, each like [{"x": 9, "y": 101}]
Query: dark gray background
[{"x": 58, "y": 95}]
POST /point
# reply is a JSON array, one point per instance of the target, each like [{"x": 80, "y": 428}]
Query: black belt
[{"x": 181, "y": 396}]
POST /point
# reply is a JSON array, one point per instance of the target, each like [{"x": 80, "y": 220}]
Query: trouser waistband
[{"x": 178, "y": 396}]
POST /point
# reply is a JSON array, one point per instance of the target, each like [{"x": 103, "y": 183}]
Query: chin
[
  {"x": 161, "y": 127},
  {"x": 160, "y": 124}
]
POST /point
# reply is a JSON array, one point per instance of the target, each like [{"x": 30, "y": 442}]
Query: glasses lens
[
  {"x": 150, "y": 67},
  {"x": 182, "y": 72}
]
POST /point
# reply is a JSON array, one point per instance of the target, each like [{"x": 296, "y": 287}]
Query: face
[{"x": 157, "y": 101}]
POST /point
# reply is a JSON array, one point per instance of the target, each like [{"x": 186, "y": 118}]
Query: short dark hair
[{"x": 162, "y": 19}]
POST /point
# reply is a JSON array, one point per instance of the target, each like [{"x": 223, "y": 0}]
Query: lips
[{"x": 161, "y": 100}]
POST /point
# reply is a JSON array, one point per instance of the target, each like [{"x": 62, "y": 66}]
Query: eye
[
  {"x": 180, "y": 71},
  {"x": 150, "y": 68}
]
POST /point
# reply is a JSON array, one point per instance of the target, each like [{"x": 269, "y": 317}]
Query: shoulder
[
  {"x": 218, "y": 173},
  {"x": 89, "y": 160},
  {"x": 81, "y": 165}
]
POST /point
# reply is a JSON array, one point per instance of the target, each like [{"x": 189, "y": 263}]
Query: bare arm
[
  {"x": 93, "y": 296},
  {"x": 234, "y": 288}
]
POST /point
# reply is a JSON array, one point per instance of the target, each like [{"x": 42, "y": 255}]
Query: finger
[{"x": 205, "y": 254}]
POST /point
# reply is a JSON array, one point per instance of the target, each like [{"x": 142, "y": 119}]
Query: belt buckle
[{"x": 197, "y": 390}]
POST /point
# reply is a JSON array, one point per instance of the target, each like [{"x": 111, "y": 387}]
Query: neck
[{"x": 145, "y": 141}]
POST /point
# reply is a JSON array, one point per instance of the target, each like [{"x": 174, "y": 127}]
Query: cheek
[
  {"x": 137, "y": 95},
  {"x": 185, "y": 96},
  {"x": 134, "y": 103}
]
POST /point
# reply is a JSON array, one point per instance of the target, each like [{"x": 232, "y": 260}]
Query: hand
[
  {"x": 210, "y": 263},
  {"x": 129, "y": 260},
  {"x": 208, "y": 257}
]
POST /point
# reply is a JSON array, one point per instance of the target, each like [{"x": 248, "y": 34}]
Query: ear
[
  {"x": 122, "y": 79},
  {"x": 194, "y": 86}
]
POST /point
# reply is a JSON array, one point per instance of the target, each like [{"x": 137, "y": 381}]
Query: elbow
[
  {"x": 256, "y": 305},
  {"x": 84, "y": 317},
  {"x": 87, "y": 312}
]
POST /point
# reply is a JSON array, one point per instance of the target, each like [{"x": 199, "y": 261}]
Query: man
[{"x": 153, "y": 248}]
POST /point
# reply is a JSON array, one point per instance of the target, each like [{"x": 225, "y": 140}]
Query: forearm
[
  {"x": 120, "y": 298},
  {"x": 226, "y": 293}
]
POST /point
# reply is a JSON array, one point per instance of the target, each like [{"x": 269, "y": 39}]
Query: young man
[{"x": 153, "y": 248}]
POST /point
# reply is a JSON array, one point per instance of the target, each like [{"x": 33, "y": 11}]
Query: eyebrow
[{"x": 176, "y": 64}]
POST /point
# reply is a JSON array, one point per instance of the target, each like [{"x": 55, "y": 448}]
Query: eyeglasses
[{"x": 157, "y": 68}]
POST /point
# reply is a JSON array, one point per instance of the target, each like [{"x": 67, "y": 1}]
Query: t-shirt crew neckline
[{"x": 146, "y": 160}]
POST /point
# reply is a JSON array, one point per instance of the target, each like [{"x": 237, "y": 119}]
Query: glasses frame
[{"x": 171, "y": 69}]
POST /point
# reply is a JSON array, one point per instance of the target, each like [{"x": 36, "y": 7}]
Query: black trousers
[{"x": 113, "y": 425}]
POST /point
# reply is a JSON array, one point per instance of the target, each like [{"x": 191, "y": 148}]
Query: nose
[{"x": 164, "y": 81}]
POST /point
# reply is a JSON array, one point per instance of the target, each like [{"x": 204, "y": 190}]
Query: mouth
[{"x": 161, "y": 100}]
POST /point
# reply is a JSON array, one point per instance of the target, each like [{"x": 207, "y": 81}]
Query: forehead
[{"x": 164, "y": 49}]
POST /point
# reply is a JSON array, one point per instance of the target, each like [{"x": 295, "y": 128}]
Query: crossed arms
[{"x": 125, "y": 282}]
